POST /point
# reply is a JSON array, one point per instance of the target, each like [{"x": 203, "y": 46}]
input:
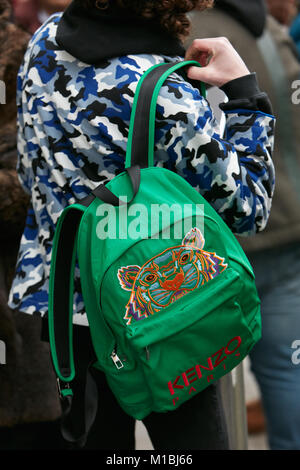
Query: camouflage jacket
[{"x": 73, "y": 121}]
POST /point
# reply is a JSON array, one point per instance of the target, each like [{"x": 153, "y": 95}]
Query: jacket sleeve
[
  {"x": 235, "y": 173},
  {"x": 25, "y": 140}
]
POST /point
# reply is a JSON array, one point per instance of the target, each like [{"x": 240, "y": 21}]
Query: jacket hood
[
  {"x": 94, "y": 35},
  {"x": 252, "y": 14}
]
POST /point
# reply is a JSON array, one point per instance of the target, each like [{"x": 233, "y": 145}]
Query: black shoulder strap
[
  {"x": 139, "y": 139},
  {"x": 61, "y": 291},
  {"x": 140, "y": 133}
]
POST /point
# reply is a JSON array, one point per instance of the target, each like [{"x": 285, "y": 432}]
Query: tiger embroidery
[{"x": 168, "y": 276}]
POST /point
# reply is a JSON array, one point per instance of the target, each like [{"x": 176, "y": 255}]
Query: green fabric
[
  {"x": 185, "y": 338},
  {"x": 180, "y": 336}
]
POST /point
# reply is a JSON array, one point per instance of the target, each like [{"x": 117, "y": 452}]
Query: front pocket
[{"x": 195, "y": 341}]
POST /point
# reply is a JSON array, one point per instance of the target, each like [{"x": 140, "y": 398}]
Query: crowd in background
[
  {"x": 30, "y": 14},
  {"x": 28, "y": 397}
]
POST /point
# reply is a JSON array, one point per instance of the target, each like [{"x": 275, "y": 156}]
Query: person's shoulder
[
  {"x": 137, "y": 65},
  {"x": 42, "y": 49},
  {"x": 176, "y": 88},
  {"x": 45, "y": 35},
  {"x": 181, "y": 90}
]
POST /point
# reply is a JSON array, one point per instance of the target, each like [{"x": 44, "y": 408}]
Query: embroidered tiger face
[{"x": 168, "y": 276}]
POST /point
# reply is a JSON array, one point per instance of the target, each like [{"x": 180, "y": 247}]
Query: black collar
[{"x": 94, "y": 35}]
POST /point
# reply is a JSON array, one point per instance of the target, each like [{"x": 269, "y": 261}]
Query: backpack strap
[
  {"x": 61, "y": 291},
  {"x": 140, "y": 147},
  {"x": 60, "y": 321}
]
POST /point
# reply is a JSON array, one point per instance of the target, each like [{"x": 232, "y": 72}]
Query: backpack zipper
[
  {"x": 114, "y": 356},
  {"x": 147, "y": 353},
  {"x": 116, "y": 360}
]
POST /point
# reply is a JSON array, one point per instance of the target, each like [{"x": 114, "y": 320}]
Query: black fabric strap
[
  {"x": 63, "y": 283},
  {"x": 140, "y": 137},
  {"x": 79, "y": 411},
  {"x": 105, "y": 195}
]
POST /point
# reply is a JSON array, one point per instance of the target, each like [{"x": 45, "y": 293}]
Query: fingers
[
  {"x": 197, "y": 47},
  {"x": 220, "y": 61},
  {"x": 194, "y": 73},
  {"x": 210, "y": 46},
  {"x": 204, "y": 50},
  {"x": 205, "y": 75}
]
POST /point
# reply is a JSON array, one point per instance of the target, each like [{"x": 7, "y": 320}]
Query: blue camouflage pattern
[{"x": 73, "y": 121}]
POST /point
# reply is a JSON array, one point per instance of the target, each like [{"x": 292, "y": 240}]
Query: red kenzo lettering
[
  {"x": 187, "y": 376},
  {"x": 219, "y": 353},
  {"x": 174, "y": 385},
  {"x": 199, "y": 366},
  {"x": 195, "y": 372},
  {"x": 236, "y": 338}
]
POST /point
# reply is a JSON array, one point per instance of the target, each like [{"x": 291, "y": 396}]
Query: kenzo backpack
[{"x": 169, "y": 293}]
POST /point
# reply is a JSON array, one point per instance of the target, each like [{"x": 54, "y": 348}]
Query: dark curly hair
[{"x": 170, "y": 14}]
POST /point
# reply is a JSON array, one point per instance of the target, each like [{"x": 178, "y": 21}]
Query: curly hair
[{"x": 170, "y": 14}]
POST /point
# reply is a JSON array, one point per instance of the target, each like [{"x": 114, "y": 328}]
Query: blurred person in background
[
  {"x": 295, "y": 30},
  {"x": 284, "y": 11},
  {"x": 29, "y": 408},
  {"x": 287, "y": 13},
  {"x": 31, "y": 14},
  {"x": 266, "y": 47}
]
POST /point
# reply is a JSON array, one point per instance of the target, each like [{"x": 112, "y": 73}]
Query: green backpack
[{"x": 169, "y": 293}]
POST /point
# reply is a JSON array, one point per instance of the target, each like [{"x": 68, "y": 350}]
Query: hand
[{"x": 220, "y": 61}]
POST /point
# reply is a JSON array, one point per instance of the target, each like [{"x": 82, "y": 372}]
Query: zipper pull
[
  {"x": 117, "y": 361},
  {"x": 147, "y": 353}
]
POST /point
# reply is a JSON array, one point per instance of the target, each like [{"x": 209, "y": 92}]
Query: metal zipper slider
[
  {"x": 147, "y": 353},
  {"x": 117, "y": 361}
]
